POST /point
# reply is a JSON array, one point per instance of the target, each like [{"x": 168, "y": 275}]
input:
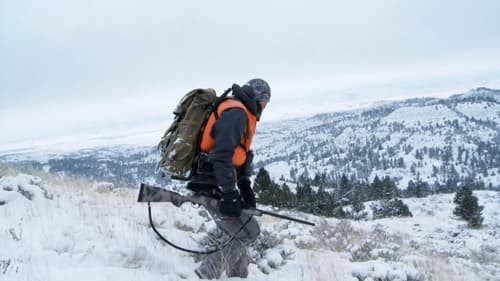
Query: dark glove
[
  {"x": 247, "y": 193},
  {"x": 230, "y": 204}
]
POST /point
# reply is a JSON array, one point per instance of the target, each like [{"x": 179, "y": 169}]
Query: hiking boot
[
  {"x": 242, "y": 273},
  {"x": 240, "y": 267},
  {"x": 206, "y": 274},
  {"x": 238, "y": 270}
]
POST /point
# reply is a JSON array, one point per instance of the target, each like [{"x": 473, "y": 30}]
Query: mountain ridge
[
  {"x": 474, "y": 116},
  {"x": 424, "y": 138}
]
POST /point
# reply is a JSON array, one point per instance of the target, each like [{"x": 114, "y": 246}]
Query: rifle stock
[{"x": 150, "y": 193}]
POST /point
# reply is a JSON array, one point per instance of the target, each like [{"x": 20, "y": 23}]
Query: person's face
[{"x": 263, "y": 104}]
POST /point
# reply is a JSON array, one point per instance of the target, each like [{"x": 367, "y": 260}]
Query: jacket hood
[{"x": 245, "y": 95}]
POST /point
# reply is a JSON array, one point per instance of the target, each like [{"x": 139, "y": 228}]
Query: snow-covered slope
[
  {"x": 433, "y": 140},
  {"x": 56, "y": 229}
]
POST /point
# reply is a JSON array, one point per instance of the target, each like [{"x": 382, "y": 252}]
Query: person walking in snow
[{"x": 223, "y": 171}]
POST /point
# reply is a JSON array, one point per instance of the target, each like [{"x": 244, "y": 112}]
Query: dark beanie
[{"x": 261, "y": 89}]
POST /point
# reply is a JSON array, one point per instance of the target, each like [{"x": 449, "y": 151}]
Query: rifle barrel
[
  {"x": 150, "y": 193},
  {"x": 264, "y": 212}
]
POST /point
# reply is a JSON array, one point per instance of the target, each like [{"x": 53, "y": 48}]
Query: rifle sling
[{"x": 224, "y": 245}]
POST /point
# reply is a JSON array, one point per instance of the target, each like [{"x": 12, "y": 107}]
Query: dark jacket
[{"x": 227, "y": 133}]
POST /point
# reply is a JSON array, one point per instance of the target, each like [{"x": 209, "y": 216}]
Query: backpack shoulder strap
[
  {"x": 218, "y": 101},
  {"x": 214, "y": 106}
]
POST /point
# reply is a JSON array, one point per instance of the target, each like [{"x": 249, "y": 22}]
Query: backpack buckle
[{"x": 203, "y": 164}]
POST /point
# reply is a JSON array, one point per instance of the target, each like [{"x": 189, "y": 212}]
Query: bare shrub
[
  {"x": 395, "y": 272},
  {"x": 183, "y": 226},
  {"x": 324, "y": 232},
  {"x": 343, "y": 227},
  {"x": 268, "y": 252},
  {"x": 16, "y": 234},
  {"x": 363, "y": 252},
  {"x": 345, "y": 236},
  {"x": 103, "y": 187},
  {"x": 486, "y": 254},
  {"x": 414, "y": 245},
  {"x": 4, "y": 265},
  {"x": 307, "y": 242},
  {"x": 338, "y": 237},
  {"x": 26, "y": 193},
  {"x": 267, "y": 240},
  {"x": 437, "y": 266},
  {"x": 388, "y": 253},
  {"x": 35, "y": 180},
  {"x": 381, "y": 235},
  {"x": 135, "y": 257},
  {"x": 46, "y": 193}
]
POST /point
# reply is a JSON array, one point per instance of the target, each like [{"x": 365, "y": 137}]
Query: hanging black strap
[
  {"x": 218, "y": 101},
  {"x": 224, "y": 245}
]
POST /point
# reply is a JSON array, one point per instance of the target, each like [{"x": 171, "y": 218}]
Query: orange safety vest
[{"x": 240, "y": 151}]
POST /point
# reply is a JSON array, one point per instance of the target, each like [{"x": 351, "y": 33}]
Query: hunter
[{"x": 223, "y": 171}]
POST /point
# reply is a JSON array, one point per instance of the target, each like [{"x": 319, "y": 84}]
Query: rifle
[{"x": 149, "y": 193}]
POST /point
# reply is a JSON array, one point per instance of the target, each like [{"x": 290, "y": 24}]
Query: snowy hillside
[
  {"x": 434, "y": 140},
  {"x": 57, "y": 229}
]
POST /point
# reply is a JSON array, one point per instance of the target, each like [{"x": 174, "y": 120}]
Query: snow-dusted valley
[
  {"x": 53, "y": 228},
  {"x": 66, "y": 214}
]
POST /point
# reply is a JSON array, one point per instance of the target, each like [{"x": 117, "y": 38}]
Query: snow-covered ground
[{"x": 53, "y": 228}]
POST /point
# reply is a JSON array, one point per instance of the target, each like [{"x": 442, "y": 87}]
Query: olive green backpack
[{"x": 180, "y": 144}]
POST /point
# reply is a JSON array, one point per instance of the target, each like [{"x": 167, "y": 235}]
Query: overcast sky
[{"x": 71, "y": 65}]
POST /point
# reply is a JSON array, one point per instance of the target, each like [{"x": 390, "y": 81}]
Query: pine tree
[
  {"x": 418, "y": 189},
  {"x": 468, "y": 207},
  {"x": 451, "y": 185},
  {"x": 474, "y": 217},
  {"x": 462, "y": 193},
  {"x": 320, "y": 202},
  {"x": 317, "y": 180},
  {"x": 262, "y": 180},
  {"x": 391, "y": 208},
  {"x": 357, "y": 203},
  {"x": 264, "y": 188},
  {"x": 389, "y": 188},
  {"x": 377, "y": 189},
  {"x": 410, "y": 189},
  {"x": 345, "y": 189},
  {"x": 305, "y": 198},
  {"x": 286, "y": 197}
]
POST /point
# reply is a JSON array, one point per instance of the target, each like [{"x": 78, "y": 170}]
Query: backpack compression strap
[{"x": 200, "y": 136}]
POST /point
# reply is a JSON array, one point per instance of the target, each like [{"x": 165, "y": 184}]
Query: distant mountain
[
  {"x": 422, "y": 138},
  {"x": 426, "y": 138}
]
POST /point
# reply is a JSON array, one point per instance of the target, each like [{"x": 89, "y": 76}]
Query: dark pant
[{"x": 234, "y": 257}]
